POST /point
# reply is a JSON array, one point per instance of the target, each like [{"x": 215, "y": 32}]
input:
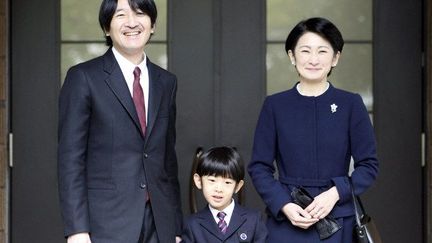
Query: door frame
[
  {"x": 4, "y": 121},
  {"x": 46, "y": 40},
  {"x": 427, "y": 140}
]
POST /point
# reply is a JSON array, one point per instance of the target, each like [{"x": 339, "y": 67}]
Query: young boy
[{"x": 219, "y": 175}]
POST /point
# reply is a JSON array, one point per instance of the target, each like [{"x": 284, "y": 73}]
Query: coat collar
[
  {"x": 205, "y": 219},
  {"x": 117, "y": 83}
]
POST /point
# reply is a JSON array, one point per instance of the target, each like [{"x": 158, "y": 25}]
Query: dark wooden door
[
  {"x": 35, "y": 82},
  {"x": 218, "y": 54},
  {"x": 397, "y": 197},
  {"x": 217, "y": 50}
]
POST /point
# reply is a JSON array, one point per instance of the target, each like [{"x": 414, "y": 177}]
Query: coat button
[
  {"x": 145, "y": 155},
  {"x": 143, "y": 185}
]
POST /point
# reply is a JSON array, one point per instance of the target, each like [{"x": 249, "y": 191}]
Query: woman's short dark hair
[
  {"x": 320, "y": 26},
  {"x": 108, "y": 8},
  {"x": 221, "y": 161}
]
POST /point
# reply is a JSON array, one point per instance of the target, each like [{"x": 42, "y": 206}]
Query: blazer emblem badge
[{"x": 243, "y": 236}]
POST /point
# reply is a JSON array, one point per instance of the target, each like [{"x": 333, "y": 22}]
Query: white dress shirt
[
  {"x": 127, "y": 69},
  {"x": 228, "y": 211}
]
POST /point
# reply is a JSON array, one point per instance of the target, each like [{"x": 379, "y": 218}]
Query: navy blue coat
[
  {"x": 312, "y": 140},
  {"x": 106, "y": 165},
  {"x": 246, "y": 225}
]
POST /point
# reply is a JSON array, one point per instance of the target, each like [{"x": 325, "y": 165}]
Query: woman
[{"x": 312, "y": 131}]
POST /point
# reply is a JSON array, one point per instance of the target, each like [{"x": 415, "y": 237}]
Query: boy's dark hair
[
  {"x": 221, "y": 161},
  {"x": 108, "y": 8}
]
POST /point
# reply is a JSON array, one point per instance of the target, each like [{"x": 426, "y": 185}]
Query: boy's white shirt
[{"x": 228, "y": 211}]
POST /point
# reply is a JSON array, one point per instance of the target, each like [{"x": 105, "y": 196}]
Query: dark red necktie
[{"x": 138, "y": 98}]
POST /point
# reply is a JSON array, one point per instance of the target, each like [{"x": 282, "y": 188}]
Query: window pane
[
  {"x": 353, "y": 18},
  {"x": 281, "y": 74},
  {"x": 157, "y": 53},
  {"x": 353, "y": 72},
  {"x": 72, "y": 54},
  {"x": 79, "y": 20},
  {"x": 76, "y": 53},
  {"x": 161, "y": 22}
]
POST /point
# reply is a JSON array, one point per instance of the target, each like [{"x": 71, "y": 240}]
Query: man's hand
[
  {"x": 298, "y": 217},
  {"x": 178, "y": 239},
  {"x": 79, "y": 238}
]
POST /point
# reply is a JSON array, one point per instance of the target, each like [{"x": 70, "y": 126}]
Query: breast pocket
[{"x": 163, "y": 114}]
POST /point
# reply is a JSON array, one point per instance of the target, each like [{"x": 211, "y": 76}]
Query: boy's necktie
[
  {"x": 138, "y": 99},
  {"x": 222, "y": 224}
]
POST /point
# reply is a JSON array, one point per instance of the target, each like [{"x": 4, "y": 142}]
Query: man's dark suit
[
  {"x": 105, "y": 165},
  {"x": 245, "y": 226}
]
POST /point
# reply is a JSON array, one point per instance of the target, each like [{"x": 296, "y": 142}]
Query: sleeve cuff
[
  {"x": 275, "y": 208},
  {"x": 343, "y": 187}
]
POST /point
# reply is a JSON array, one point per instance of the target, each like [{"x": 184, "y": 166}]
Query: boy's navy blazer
[{"x": 246, "y": 225}]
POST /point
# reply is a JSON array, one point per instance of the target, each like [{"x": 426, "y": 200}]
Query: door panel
[
  {"x": 397, "y": 196},
  {"x": 217, "y": 50},
  {"x": 219, "y": 58},
  {"x": 35, "y": 83}
]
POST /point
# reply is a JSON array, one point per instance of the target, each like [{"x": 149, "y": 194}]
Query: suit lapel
[
  {"x": 205, "y": 219},
  {"x": 155, "y": 96},
  {"x": 237, "y": 220},
  {"x": 117, "y": 83}
]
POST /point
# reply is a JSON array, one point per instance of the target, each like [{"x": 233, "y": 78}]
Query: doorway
[{"x": 217, "y": 49}]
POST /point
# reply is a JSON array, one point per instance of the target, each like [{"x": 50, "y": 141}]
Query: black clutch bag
[{"x": 327, "y": 226}]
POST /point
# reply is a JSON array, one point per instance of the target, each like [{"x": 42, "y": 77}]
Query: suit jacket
[
  {"x": 105, "y": 165},
  {"x": 312, "y": 140},
  {"x": 246, "y": 225}
]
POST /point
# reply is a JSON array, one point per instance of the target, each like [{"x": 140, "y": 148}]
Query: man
[{"x": 117, "y": 165}]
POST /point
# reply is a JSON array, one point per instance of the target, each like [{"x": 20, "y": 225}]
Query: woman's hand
[
  {"x": 323, "y": 203},
  {"x": 79, "y": 238},
  {"x": 298, "y": 217}
]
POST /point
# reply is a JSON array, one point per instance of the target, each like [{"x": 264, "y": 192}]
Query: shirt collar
[
  {"x": 127, "y": 66},
  {"x": 228, "y": 211},
  {"x": 300, "y": 92}
]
